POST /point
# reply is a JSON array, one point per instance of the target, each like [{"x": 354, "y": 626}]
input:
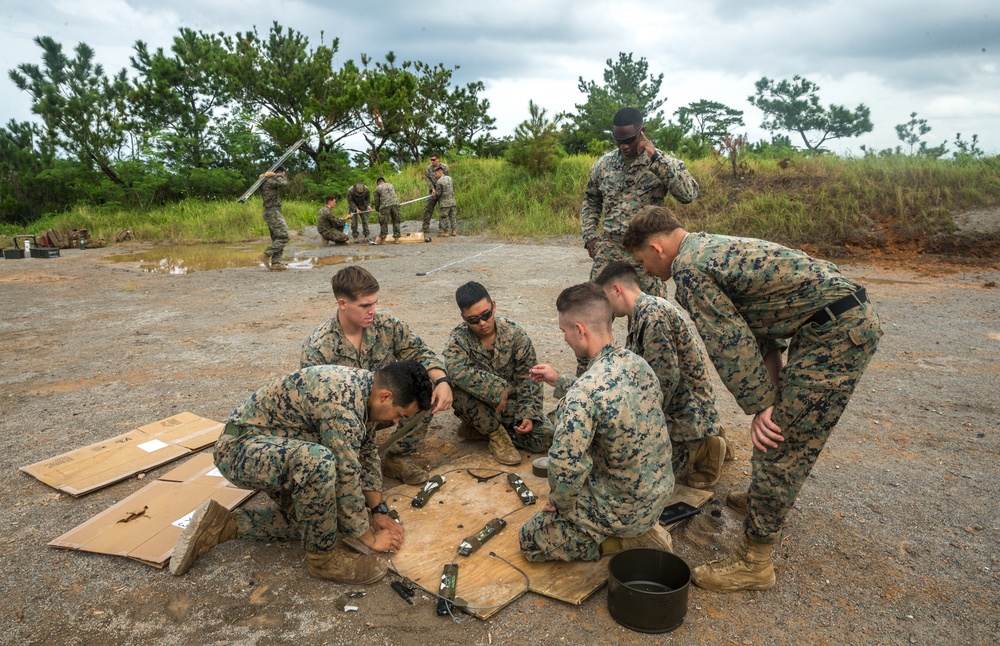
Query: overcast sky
[{"x": 939, "y": 59}]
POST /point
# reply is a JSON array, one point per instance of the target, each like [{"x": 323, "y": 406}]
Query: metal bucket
[{"x": 648, "y": 589}]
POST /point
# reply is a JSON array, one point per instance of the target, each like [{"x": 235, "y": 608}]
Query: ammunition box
[
  {"x": 13, "y": 254},
  {"x": 44, "y": 252}
]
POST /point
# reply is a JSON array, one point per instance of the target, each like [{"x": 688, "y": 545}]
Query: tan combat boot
[
  {"x": 658, "y": 537},
  {"x": 706, "y": 463},
  {"x": 210, "y": 525},
  {"x": 748, "y": 568},
  {"x": 343, "y": 566},
  {"x": 442, "y": 234},
  {"x": 737, "y": 500},
  {"x": 266, "y": 259},
  {"x": 730, "y": 452},
  {"x": 503, "y": 448},
  {"x": 401, "y": 467}
]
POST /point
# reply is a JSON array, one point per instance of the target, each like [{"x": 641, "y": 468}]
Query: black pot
[{"x": 648, "y": 589}]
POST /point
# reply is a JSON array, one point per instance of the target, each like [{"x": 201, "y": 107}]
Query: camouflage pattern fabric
[
  {"x": 279, "y": 234},
  {"x": 329, "y": 226},
  {"x": 276, "y": 226},
  {"x": 385, "y": 195},
  {"x": 479, "y": 377},
  {"x": 386, "y": 340},
  {"x": 358, "y": 201},
  {"x": 746, "y": 298},
  {"x": 304, "y": 440},
  {"x": 448, "y": 220},
  {"x": 387, "y": 205},
  {"x": 385, "y": 215},
  {"x": 270, "y": 191},
  {"x": 616, "y": 191},
  {"x": 658, "y": 334},
  {"x": 609, "y": 465},
  {"x": 431, "y": 180},
  {"x": 429, "y": 174}
]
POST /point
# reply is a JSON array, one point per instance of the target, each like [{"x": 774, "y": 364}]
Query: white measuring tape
[{"x": 428, "y": 273}]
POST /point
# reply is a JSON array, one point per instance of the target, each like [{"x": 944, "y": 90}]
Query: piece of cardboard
[
  {"x": 409, "y": 238},
  {"x": 145, "y": 526},
  {"x": 462, "y": 507},
  {"x": 89, "y": 468}
]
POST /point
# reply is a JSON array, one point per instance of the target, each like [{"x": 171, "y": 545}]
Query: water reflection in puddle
[{"x": 186, "y": 259}]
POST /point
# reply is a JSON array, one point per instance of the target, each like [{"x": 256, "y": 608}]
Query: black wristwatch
[
  {"x": 442, "y": 380},
  {"x": 381, "y": 508}
]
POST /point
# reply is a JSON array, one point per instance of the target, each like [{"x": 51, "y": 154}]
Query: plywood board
[
  {"x": 461, "y": 508},
  {"x": 145, "y": 526},
  {"x": 92, "y": 467}
]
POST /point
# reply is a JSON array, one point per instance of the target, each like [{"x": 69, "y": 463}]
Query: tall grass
[{"x": 811, "y": 199}]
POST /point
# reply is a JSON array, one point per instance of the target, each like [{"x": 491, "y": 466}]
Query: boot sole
[
  {"x": 746, "y": 588},
  {"x": 183, "y": 555}
]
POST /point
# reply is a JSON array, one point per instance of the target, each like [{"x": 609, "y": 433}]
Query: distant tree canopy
[
  {"x": 794, "y": 106},
  {"x": 204, "y": 116},
  {"x": 627, "y": 83}
]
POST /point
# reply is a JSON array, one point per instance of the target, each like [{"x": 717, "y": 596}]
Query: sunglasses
[
  {"x": 474, "y": 320},
  {"x": 627, "y": 140}
]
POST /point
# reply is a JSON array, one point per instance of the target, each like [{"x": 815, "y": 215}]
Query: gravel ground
[{"x": 892, "y": 541}]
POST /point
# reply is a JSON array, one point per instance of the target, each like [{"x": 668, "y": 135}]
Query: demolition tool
[
  {"x": 521, "y": 489},
  {"x": 472, "y": 543},
  {"x": 404, "y": 592},
  {"x": 430, "y": 488},
  {"x": 446, "y": 593},
  {"x": 256, "y": 185}
]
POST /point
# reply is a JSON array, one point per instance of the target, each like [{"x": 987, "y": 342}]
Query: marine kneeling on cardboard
[{"x": 308, "y": 441}]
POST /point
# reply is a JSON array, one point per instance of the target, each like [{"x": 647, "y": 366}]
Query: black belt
[{"x": 836, "y": 308}]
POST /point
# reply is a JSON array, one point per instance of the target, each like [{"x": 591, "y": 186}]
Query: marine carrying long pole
[{"x": 256, "y": 185}]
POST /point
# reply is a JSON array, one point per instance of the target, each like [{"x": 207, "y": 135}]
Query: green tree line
[{"x": 203, "y": 117}]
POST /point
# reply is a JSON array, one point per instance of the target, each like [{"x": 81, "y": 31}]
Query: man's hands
[
  {"x": 645, "y": 145},
  {"x": 590, "y": 247},
  {"x": 385, "y": 535},
  {"x": 503, "y": 401},
  {"x": 545, "y": 373},
  {"x": 441, "y": 397},
  {"x": 764, "y": 433},
  {"x": 524, "y": 427}
]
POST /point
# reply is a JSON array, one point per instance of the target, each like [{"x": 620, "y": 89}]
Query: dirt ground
[{"x": 893, "y": 540}]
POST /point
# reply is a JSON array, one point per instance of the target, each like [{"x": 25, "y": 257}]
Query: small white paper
[
  {"x": 153, "y": 445},
  {"x": 184, "y": 522},
  {"x": 215, "y": 473}
]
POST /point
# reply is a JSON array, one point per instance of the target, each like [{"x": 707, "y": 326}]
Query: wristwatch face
[{"x": 382, "y": 508}]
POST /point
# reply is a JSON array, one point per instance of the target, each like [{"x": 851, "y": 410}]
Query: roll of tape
[{"x": 540, "y": 467}]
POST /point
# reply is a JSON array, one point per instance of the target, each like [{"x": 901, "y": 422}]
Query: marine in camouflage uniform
[
  {"x": 746, "y": 298},
  {"x": 270, "y": 193},
  {"x": 386, "y": 340},
  {"x": 330, "y": 227},
  {"x": 358, "y": 205},
  {"x": 446, "y": 199},
  {"x": 749, "y": 299},
  {"x": 431, "y": 179},
  {"x": 621, "y": 183},
  {"x": 303, "y": 439},
  {"x": 609, "y": 465},
  {"x": 481, "y": 375},
  {"x": 387, "y": 205},
  {"x": 658, "y": 334}
]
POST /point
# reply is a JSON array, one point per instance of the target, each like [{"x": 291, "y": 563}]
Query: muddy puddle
[{"x": 186, "y": 259}]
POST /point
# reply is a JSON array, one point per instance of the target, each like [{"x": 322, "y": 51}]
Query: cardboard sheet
[
  {"x": 145, "y": 526},
  {"x": 92, "y": 467},
  {"x": 460, "y": 509}
]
